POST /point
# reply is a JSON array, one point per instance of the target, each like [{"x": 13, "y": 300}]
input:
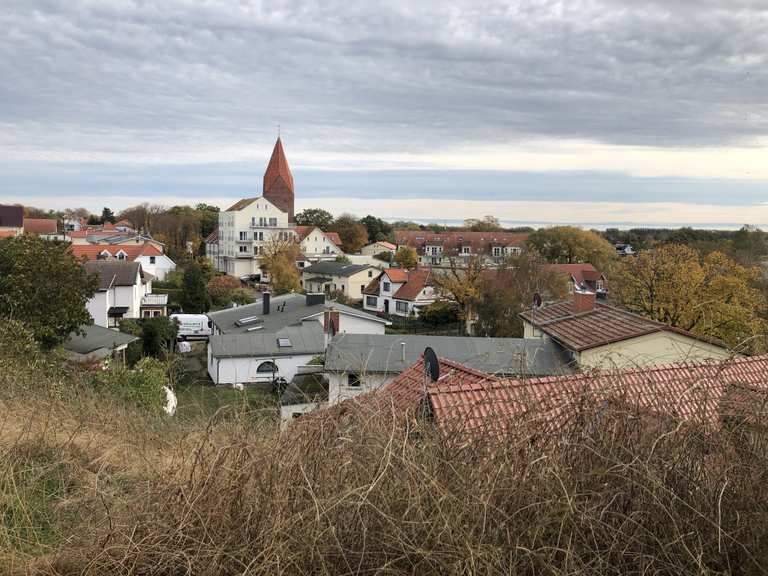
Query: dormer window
[{"x": 121, "y": 255}]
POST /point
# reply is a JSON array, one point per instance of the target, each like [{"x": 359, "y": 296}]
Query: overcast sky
[{"x": 542, "y": 111}]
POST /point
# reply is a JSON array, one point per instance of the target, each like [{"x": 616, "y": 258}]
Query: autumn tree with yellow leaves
[
  {"x": 279, "y": 260},
  {"x": 710, "y": 296}
]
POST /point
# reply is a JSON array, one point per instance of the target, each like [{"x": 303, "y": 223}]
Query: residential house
[
  {"x": 212, "y": 249},
  {"x": 400, "y": 292},
  {"x": 124, "y": 290},
  {"x": 318, "y": 245},
  {"x": 442, "y": 248},
  {"x": 582, "y": 278},
  {"x": 305, "y": 393},
  {"x": 97, "y": 343},
  {"x": 247, "y": 227},
  {"x": 271, "y": 339},
  {"x": 74, "y": 224},
  {"x": 11, "y": 221},
  {"x": 151, "y": 258},
  {"x": 359, "y": 363},
  {"x": 378, "y": 247},
  {"x": 597, "y": 335},
  {"x": 111, "y": 238},
  {"x": 624, "y": 249},
  {"x": 338, "y": 278}
]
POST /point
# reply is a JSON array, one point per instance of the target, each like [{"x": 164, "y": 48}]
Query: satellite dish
[
  {"x": 431, "y": 364},
  {"x": 537, "y": 300}
]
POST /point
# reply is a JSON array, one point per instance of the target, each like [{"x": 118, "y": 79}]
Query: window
[
  {"x": 152, "y": 259},
  {"x": 362, "y": 288},
  {"x": 386, "y": 286},
  {"x": 401, "y": 306},
  {"x": 599, "y": 285},
  {"x": 496, "y": 251},
  {"x": 465, "y": 249},
  {"x": 371, "y": 301},
  {"x": 370, "y": 273},
  {"x": 243, "y": 236},
  {"x": 121, "y": 255},
  {"x": 242, "y": 249},
  {"x": 267, "y": 366},
  {"x": 273, "y": 221},
  {"x": 353, "y": 380}
]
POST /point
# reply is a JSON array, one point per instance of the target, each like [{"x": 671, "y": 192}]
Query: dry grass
[{"x": 91, "y": 487}]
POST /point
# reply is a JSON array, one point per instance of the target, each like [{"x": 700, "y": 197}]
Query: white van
[{"x": 192, "y": 326}]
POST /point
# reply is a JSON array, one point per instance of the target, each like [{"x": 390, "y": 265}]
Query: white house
[
  {"x": 246, "y": 346},
  {"x": 318, "y": 245},
  {"x": 151, "y": 258},
  {"x": 338, "y": 278},
  {"x": 400, "y": 292},
  {"x": 124, "y": 291},
  {"x": 378, "y": 248}
]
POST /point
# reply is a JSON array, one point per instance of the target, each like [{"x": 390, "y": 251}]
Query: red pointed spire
[{"x": 278, "y": 168}]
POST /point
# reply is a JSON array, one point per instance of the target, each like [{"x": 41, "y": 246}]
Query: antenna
[
  {"x": 278, "y": 130},
  {"x": 431, "y": 364}
]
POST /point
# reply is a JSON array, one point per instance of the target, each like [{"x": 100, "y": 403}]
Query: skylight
[
  {"x": 284, "y": 343},
  {"x": 247, "y": 320}
]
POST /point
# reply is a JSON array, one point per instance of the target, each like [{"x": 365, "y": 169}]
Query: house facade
[
  {"x": 597, "y": 335},
  {"x": 581, "y": 278},
  {"x": 338, "y": 278},
  {"x": 317, "y": 245},
  {"x": 124, "y": 291},
  {"x": 443, "y": 248},
  {"x": 400, "y": 292},
  {"x": 151, "y": 258},
  {"x": 378, "y": 248}
]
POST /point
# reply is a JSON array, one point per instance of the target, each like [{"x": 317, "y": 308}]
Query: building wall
[
  {"x": 351, "y": 286},
  {"x": 317, "y": 244},
  {"x": 355, "y": 325},
  {"x": 160, "y": 268},
  {"x": 97, "y": 307},
  {"x": 339, "y": 390},
  {"x": 375, "y": 248},
  {"x": 244, "y": 370},
  {"x": 650, "y": 350}
]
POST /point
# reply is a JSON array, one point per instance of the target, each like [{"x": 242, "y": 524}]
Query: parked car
[{"x": 193, "y": 326}]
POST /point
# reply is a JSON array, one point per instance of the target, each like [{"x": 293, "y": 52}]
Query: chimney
[
  {"x": 583, "y": 302},
  {"x": 331, "y": 322},
  {"x": 265, "y": 297},
  {"x": 402, "y": 352},
  {"x": 315, "y": 298}
]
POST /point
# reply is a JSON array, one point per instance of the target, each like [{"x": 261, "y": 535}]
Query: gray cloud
[{"x": 163, "y": 76}]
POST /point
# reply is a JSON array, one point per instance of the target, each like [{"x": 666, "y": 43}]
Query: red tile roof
[
  {"x": 695, "y": 392},
  {"x": 480, "y": 242},
  {"x": 417, "y": 280},
  {"x": 40, "y": 226},
  {"x": 7, "y": 233},
  {"x": 92, "y": 252},
  {"x": 580, "y": 272},
  {"x": 79, "y": 233},
  {"x": 598, "y": 327},
  {"x": 335, "y": 238},
  {"x": 304, "y": 231},
  {"x": 397, "y": 275}
]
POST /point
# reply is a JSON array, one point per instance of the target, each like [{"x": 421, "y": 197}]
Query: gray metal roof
[
  {"x": 113, "y": 272},
  {"x": 343, "y": 269},
  {"x": 98, "y": 341},
  {"x": 307, "y": 338},
  {"x": 385, "y": 353},
  {"x": 294, "y": 311}
]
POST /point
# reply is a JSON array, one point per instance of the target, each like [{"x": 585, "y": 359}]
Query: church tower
[{"x": 278, "y": 181}]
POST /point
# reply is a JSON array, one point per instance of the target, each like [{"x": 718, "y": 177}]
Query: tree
[
  {"x": 107, "y": 216},
  {"x": 209, "y": 218},
  {"x": 352, "y": 233},
  {"x": 343, "y": 259},
  {"x": 194, "y": 296},
  {"x": 569, "y": 244},
  {"x": 406, "y": 257},
  {"x": 487, "y": 224},
  {"x": 749, "y": 245},
  {"x": 376, "y": 228},
  {"x": 462, "y": 285},
  {"x": 279, "y": 260},
  {"x": 711, "y": 296},
  {"x": 221, "y": 288},
  {"x": 156, "y": 334},
  {"x": 43, "y": 286},
  {"x": 315, "y": 217},
  {"x": 405, "y": 225},
  {"x": 509, "y": 290}
]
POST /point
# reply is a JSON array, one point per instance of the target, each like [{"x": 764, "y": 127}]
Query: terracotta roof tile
[
  {"x": 417, "y": 280},
  {"x": 92, "y": 252},
  {"x": 335, "y": 238},
  {"x": 480, "y": 242},
  {"x": 278, "y": 168},
  {"x": 40, "y": 226}
]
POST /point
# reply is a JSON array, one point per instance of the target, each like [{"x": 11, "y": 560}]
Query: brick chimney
[
  {"x": 331, "y": 321},
  {"x": 583, "y": 302}
]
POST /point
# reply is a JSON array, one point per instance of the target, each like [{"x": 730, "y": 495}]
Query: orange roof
[
  {"x": 40, "y": 226},
  {"x": 78, "y": 234},
  {"x": 417, "y": 280},
  {"x": 92, "y": 252},
  {"x": 278, "y": 168},
  {"x": 304, "y": 231},
  {"x": 335, "y": 238},
  {"x": 580, "y": 272},
  {"x": 479, "y": 242},
  {"x": 397, "y": 275},
  {"x": 7, "y": 233}
]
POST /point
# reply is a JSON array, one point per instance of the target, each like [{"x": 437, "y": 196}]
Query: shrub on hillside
[
  {"x": 142, "y": 386},
  {"x": 221, "y": 288},
  {"x": 440, "y": 312}
]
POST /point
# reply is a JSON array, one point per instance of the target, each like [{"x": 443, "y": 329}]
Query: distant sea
[{"x": 590, "y": 225}]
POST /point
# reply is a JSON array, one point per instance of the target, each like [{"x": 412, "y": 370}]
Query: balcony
[{"x": 154, "y": 300}]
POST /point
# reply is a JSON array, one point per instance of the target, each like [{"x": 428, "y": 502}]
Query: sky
[{"x": 593, "y": 112}]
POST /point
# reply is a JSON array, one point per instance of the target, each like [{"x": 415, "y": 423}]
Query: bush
[
  {"x": 385, "y": 256},
  {"x": 142, "y": 386},
  {"x": 440, "y": 312},
  {"x": 221, "y": 289}
]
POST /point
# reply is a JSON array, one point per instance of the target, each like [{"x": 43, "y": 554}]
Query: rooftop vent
[{"x": 247, "y": 320}]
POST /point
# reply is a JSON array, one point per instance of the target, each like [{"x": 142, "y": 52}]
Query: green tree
[
  {"x": 376, "y": 228},
  {"x": 43, "y": 286},
  {"x": 486, "y": 224},
  {"x": 711, "y": 296},
  {"x": 315, "y": 217},
  {"x": 406, "y": 257},
  {"x": 462, "y": 284},
  {"x": 280, "y": 262},
  {"x": 194, "y": 297},
  {"x": 749, "y": 245},
  {"x": 157, "y": 334},
  {"x": 209, "y": 218},
  {"x": 107, "y": 216},
  {"x": 509, "y": 290},
  {"x": 222, "y": 288},
  {"x": 352, "y": 233},
  {"x": 569, "y": 245}
]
